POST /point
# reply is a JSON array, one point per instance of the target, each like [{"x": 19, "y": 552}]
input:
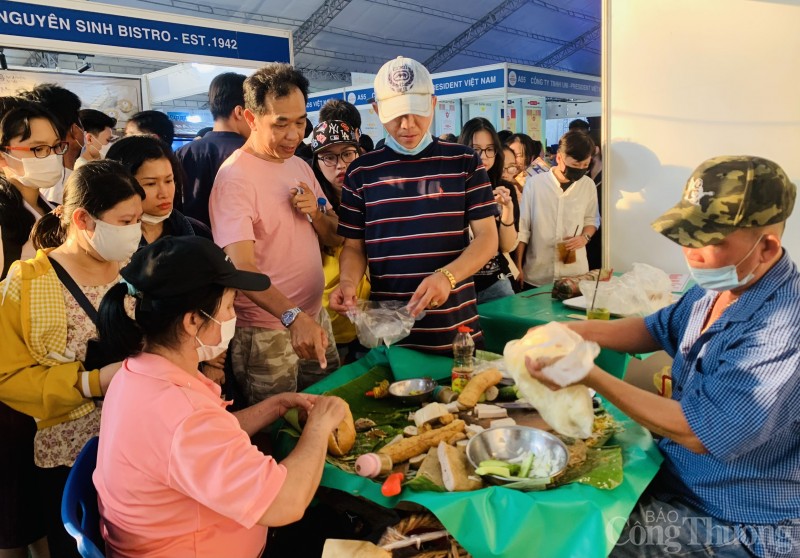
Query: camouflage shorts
[{"x": 264, "y": 362}]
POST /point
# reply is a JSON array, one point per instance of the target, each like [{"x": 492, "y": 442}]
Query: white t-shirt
[{"x": 548, "y": 214}]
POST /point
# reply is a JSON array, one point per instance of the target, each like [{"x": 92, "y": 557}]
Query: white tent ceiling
[{"x": 335, "y": 37}]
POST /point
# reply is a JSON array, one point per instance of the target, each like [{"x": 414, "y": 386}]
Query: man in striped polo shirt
[
  {"x": 406, "y": 211},
  {"x": 730, "y": 482}
]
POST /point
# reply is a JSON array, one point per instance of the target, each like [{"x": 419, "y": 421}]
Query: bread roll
[{"x": 342, "y": 439}]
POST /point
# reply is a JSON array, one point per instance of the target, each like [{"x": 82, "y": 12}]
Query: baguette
[{"x": 409, "y": 447}]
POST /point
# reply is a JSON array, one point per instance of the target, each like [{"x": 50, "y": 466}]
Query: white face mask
[
  {"x": 210, "y": 352},
  {"x": 154, "y": 219},
  {"x": 38, "y": 173},
  {"x": 114, "y": 243}
]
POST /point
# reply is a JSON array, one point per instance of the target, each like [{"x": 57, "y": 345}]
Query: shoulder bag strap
[{"x": 75, "y": 290}]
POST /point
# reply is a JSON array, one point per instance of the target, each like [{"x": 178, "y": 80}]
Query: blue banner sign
[
  {"x": 82, "y": 27},
  {"x": 315, "y": 103},
  {"x": 550, "y": 83},
  {"x": 468, "y": 83},
  {"x": 360, "y": 97}
]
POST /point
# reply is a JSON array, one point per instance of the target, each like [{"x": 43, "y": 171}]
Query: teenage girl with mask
[
  {"x": 177, "y": 474},
  {"x": 46, "y": 323},
  {"x": 31, "y": 145}
]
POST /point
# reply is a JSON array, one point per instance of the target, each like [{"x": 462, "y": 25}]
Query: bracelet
[
  {"x": 587, "y": 237},
  {"x": 450, "y": 276},
  {"x": 511, "y": 224}
]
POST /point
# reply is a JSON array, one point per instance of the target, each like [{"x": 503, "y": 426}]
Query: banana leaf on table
[{"x": 574, "y": 520}]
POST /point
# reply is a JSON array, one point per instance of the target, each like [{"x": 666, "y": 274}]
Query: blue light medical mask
[
  {"x": 392, "y": 144},
  {"x": 723, "y": 278}
]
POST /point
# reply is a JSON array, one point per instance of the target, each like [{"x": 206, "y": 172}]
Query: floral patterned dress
[{"x": 60, "y": 444}]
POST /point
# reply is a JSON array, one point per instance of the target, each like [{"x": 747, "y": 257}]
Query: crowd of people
[{"x": 138, "y": 283}]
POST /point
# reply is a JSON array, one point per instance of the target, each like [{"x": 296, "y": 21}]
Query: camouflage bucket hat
[{"x": 728, "y": 193}]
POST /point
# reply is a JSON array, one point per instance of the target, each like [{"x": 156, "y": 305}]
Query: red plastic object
[{"x": 391, "y": 486}]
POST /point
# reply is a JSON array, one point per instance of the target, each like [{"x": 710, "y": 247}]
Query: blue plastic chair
[{"x": 79, "y": 510}]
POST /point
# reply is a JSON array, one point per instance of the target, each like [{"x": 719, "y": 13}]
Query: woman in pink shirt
[{"x": 176, "y": 473}]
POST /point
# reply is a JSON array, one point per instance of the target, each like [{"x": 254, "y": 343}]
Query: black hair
[
  {"x": 156, "y": 322},
  {"x": 339, "y": 109},
  {"x": 16, "y": 114},
  {"x": 537, "y": 149},
  {"x": 275, "y": 80},
  {"x": 451, "y": 138},
  {"x": 225, "y": 93},
  {"x": 155, "y": 122},
  {"x": 95, "y": 121},
  {"x": 366, "y": 143},
  {"x": 579, "y": 124},
  {"x": 576, "y": 144},
  {"x": 96, "y": 187},
  {"x": 63, "y": 103},
  {"x": 134, "y": 151},
  {"x": 309, "y": 128},
  {"x": 481, "y": 124},
  {"x": 528, "y": 147},
  {"x": 504, "y": 135}
]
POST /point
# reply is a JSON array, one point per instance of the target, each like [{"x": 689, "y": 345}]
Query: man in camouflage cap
[
  {"x": 728, "y": 193},
  {"x": 730, "y": 433}
]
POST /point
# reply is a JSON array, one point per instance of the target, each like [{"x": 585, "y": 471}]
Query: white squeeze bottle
[{"x": 463, "y": 358}]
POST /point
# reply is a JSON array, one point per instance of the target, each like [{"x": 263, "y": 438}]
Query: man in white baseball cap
[{"x": 404, "y": 212}]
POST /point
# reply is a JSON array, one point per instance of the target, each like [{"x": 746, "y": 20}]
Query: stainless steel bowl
[
  {"x": 413, "y": 391},
  {"x": 511, "y": 443}
]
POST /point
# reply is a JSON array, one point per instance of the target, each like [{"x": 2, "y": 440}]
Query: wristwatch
[
  {"x": 288, "y": 317},
  {"x": 587, "y": 237}
]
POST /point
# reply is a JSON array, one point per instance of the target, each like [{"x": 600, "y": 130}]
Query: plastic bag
[
  {"x": 639, "y": 292},
  {"x": 382, "y": 322},
  {"x": 569, "y": 410}
]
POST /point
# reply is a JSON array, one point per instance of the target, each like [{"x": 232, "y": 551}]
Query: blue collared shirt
[{"x": 738, "y": 384}]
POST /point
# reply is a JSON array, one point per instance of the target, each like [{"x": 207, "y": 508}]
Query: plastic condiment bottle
[
  {"x": 463, "y": 358},
  {"x": 373, "y": 465}
]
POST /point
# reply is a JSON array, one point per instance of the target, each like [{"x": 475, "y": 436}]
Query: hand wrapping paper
[{"x": 568, "y": 410}]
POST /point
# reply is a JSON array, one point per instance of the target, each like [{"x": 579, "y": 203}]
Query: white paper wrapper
[{"x": 569, "y": 410}]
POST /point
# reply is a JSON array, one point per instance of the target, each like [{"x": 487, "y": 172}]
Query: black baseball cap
[{"x": 182, "y": 266}]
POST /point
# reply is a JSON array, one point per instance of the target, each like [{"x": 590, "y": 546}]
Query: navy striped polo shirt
[{"x": 413, "y": 213}]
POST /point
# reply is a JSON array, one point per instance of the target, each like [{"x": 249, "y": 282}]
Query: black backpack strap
[{"x": 67, "y": 280}]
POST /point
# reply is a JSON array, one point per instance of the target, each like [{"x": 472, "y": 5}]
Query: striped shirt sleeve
[{"x": 351, "y": 210}]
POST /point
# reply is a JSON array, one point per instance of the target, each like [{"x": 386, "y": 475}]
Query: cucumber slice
[
  {"x": 499, "y": 471},
  {"x": 527, "y": 463},
  {"x": 513, "y": 468}
]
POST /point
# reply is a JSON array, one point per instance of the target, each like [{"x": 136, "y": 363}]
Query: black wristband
[{"x": 511, "y": 224}]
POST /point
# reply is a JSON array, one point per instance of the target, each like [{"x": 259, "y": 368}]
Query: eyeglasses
[
  {"x": 331, "y": 159},
  {"x": 511, "y": 169},
  {"x": 42, "y": 151},
  {"x": 489, "y": 152}
]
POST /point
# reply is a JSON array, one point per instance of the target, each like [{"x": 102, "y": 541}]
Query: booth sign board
[
  {"x": 460, "y": 83},
  {"x": 551, "y": 83},
  {"x": 102, "y": 29},
  {"x": 315, "y": 103}
]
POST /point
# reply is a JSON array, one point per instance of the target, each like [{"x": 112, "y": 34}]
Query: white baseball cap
[{"x": 403, "y": 86}]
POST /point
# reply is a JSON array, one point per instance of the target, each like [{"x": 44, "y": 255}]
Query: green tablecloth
[
  {"x": 510, "y": 317},
  {"x": 574, "y": 520}
]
